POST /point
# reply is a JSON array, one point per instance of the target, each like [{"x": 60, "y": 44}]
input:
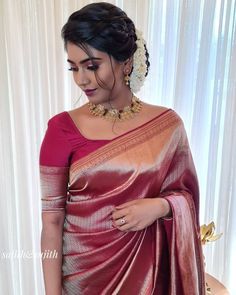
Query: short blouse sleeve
[{"x": 54, "y": 167}]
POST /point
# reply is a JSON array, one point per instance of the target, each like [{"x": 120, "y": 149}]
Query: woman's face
[{"x": 96, "y": 77}]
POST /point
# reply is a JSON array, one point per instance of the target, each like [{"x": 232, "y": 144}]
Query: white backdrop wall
[{"x": 192, "y": 47}]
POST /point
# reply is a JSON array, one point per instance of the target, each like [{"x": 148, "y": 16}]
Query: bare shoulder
[
  {"x": 151, "y": 110},
  {"x": 155, "y": 110}
]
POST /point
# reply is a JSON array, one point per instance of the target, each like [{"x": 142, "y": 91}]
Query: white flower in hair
[{"x": 137, "y": 76}]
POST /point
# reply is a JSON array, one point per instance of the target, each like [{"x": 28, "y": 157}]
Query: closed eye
[
  {"x": 90, "y": 68},
  {"x": 73, "y": 69}
]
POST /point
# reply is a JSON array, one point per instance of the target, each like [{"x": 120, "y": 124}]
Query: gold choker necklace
[{"x": 128, "y": 112}]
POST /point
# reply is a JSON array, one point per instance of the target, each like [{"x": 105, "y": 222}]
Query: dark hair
[{"x": 104, "y": 27}]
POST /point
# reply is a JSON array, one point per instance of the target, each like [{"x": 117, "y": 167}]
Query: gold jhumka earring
[{"x": 127, "y": 79}]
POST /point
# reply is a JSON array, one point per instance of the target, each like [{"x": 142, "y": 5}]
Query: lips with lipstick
[{"x": 90, "y": 92}]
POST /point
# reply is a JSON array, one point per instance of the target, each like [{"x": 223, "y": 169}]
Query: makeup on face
[
  {"x": 99, "y": 75},
  {"x": 87, "y": 63}
]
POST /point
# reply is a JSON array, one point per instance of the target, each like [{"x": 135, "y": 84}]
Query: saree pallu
[
  {"x": 151, "y": 161},
  {"x": 165, "y": 258}
]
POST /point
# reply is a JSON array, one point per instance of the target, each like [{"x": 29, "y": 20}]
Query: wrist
[{"x": 166, "y": 208}]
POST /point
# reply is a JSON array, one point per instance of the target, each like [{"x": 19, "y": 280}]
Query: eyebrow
[{"x": 84, "y": 60}]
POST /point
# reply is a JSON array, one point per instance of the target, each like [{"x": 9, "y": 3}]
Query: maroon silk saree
[{"x": 151, "y": 161}]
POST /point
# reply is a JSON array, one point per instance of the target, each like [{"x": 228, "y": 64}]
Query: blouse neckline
[{"x": 112, "y": 139}]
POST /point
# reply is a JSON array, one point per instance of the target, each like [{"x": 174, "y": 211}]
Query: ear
[{"x": 128, "y": 64}]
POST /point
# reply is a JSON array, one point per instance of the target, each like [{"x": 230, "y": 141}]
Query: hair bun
[{"x": 105, "y": 27}]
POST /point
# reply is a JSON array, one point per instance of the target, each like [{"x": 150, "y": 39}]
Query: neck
[
  {"x": 119, "y": 101},
  {"x": 116, "y": 114}
]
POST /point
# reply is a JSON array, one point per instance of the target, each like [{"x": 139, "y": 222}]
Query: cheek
[
  {"x": 105, "y": 76},
  {"x": 74, "y": 77}
]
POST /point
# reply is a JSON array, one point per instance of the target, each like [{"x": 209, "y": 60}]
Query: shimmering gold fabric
[{"x": 151, "y": 161}]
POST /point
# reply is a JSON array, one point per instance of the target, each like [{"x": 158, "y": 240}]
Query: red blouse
[{"x": 64, "y": 144}]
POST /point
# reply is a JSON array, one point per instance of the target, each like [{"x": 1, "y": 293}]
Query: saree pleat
[{"x": 151, "y": 161}]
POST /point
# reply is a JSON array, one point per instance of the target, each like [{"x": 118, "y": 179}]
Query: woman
[{"x": 119, "y": 188}]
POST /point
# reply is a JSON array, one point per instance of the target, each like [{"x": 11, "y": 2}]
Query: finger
[
  {"x": 117, "y": 214},
  {"x": 130, "y": 227},
  {"x": 126, "y": 227},
  {"x": 121, "y": 222}
]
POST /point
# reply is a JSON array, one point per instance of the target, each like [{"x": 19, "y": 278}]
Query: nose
[{"x": 81, "y": 79}]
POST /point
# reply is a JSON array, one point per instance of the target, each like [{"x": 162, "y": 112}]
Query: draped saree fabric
[{"x": 151, "y": 161}]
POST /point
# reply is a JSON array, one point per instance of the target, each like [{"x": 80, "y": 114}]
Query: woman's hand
[{"x": 139, "y": 214}]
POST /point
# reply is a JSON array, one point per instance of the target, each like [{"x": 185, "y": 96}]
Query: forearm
[{"x": 51, "y": 242}]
